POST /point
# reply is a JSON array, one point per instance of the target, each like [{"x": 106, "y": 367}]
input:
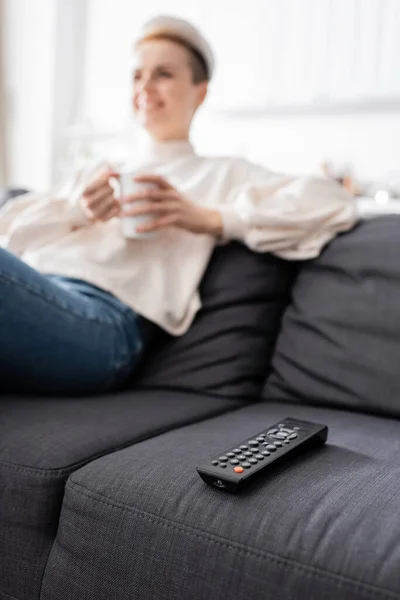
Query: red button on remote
[{"x": 238, "y": 469}]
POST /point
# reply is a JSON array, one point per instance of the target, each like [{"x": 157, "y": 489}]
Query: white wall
[
  {"x": 3, "y": 139},
  {"x": 29, "y": 80},
  {"x": 63, "y": 68},
  {"x": 369, "y": 141},
  {"x": 44, "y": 61}
]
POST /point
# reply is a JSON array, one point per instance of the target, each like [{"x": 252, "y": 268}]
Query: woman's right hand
[{"x": 98, "y": 201}]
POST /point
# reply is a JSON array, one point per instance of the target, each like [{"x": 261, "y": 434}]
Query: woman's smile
[{"x": 149, "y": 104}]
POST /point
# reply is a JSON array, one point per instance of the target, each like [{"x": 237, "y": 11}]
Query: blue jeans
[{"x": 62, "y": 336}]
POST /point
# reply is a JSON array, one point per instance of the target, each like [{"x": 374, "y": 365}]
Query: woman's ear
[{"x": 202, "y": 89}]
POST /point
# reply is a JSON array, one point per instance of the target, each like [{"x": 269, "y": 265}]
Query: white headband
[{"x": 184, "y": 30}]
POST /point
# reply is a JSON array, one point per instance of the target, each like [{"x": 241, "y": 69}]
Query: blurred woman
[{"x": 79, "y": 301}]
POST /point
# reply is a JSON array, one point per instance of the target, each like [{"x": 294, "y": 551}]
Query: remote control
[{"x": 241, "y": 464}]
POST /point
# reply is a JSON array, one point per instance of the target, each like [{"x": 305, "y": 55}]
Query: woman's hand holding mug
[
  {"x": 169, "y": 208},
  {"x": 156, "y": 202},
  {"x": 98, "y": 200}
]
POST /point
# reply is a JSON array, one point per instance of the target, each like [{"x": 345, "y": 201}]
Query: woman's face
[{"x": 164, "y": 95}]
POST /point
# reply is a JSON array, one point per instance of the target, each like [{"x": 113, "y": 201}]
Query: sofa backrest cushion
[
  {"x": 227, "y": 351},
  {"x": 340, "y": 337}
]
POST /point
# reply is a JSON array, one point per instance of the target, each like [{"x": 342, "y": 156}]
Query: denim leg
[{"x": 56, "y": 340}]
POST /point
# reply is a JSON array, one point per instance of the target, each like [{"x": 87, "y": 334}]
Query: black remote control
[{"x": 238, "y": 466}]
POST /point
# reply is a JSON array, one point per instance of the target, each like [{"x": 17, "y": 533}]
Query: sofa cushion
[
  {"x": 227, "y": 350},
  {"x": 43, "y": 440},
  {"x": 340, "y": 337},
  {"x": 141, "y": 524},
  {"x": 7, "y": 194}
]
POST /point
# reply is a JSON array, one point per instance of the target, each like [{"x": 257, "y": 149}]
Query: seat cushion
[
  {"x": 140, "y": 523},
  {"x": 42, "y": 441},
  {"x": 227, "y": 350},
  {"x": 340, "y": 337}
]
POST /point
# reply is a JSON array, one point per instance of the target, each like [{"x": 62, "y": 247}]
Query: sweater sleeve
[
  {"x": 36, "y": 219},
  {"x": 293, "y": 217}
]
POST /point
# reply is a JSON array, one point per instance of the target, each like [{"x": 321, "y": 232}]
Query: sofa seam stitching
[
  {"x": 70, "y": 469},
  {"x": 268, "y": 556}
]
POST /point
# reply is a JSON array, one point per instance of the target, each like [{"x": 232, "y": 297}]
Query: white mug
[{"x": 126, "y": 186}]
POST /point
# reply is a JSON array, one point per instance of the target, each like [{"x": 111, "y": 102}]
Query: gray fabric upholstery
[
  {"x": 42, "y": 441},
  {"x": 227, "y": 350},
  {"x": 140, "y": 523},
  {"x": 340, "y": 337}
]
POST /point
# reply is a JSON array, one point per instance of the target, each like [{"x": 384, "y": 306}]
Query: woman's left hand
[{"x": 170, "y": 209}]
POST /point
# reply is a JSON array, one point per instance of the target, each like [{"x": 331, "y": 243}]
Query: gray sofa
[{"x": 100, "y": 498}]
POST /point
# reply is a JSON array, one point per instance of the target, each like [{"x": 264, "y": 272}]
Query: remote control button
[
  {"x": 278, "y": 444},
  {"x": 247, "y": 453},
  {"x": 259, "y": 456},
  {"x": 241, "y": 457},
  {"x": 255, "y": 450},
  {"x": 253, "y": 461},
  {"x": 265, "y": 453},
  {"x": 274, "y": 430},
  {"x": 278, "y": 436},
  {"x": 293, "y": 436},
  {"x": 271, "y": 448},
  {"x": 281, "y": 425},
  {"x": 237, "y": 451},
  {"x": 223, "y": 458},
  {"x": 259, "y": 438},
  {"x": 215, "y": 463},
  {"x": 246, "y": 465},
  {"x": 223, "y": 465},
  {"x": 286, "y": 430},
  {"x": 234, "y": 461},
  {"x": 238, "y": 469},
  {"x": 230, "y": 454},
  {"x": 296, "y": 428},
  {"x": 286, "y": 442},
  {"x": 253, "y": 443},
  {"x": 243, "y": 447}
]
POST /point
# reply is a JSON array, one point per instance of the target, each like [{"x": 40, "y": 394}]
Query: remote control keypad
[{"x": 255, "y": 450}]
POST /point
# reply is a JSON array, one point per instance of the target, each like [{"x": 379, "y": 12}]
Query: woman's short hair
[{"x": 197, "y": 63}]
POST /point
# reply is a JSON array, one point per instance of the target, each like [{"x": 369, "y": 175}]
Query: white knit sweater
[{"x": 293, "y": 217}]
